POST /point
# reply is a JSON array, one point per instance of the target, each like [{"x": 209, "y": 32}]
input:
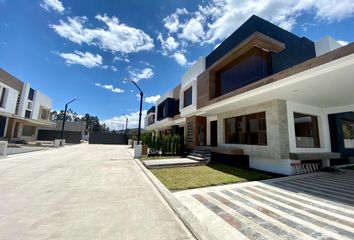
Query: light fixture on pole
[
  {"x": 64, "y": 119},
  {"x": 140, "y": 112}
]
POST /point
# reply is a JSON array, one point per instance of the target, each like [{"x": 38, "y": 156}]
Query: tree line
[{"x": 92, "y": 122}]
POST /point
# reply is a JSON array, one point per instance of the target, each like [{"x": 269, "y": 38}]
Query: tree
[
  {"x": 71, "y": 116},
  {"x": 93, "y": 124}
]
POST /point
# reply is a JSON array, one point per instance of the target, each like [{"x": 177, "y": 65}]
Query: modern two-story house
[
  {"x": 264, "y": 92},
  {"x": 22, "y": 109}
]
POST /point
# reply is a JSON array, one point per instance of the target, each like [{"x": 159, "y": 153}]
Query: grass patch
[
  {"x": 202, "y": 176},
  {"x": 159, "y": 158}
]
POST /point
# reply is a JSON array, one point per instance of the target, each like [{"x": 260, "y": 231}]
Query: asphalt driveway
[{"x": 82, "y": 192}]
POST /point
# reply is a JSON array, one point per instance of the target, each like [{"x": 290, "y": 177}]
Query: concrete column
[
  {"x": 138, "y": 151},
  {"x": 3, "y": 148},
  {"x": 326, "y": 162}
]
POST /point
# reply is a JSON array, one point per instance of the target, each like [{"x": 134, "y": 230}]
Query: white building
[
  {"x": 22, "y": 109},
  {"x": 267, "y": 95}
]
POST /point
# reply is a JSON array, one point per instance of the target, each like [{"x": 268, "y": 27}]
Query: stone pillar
[
  {"x": 138, "y": 151},
  {"x": 3, "y": 148},
  {"x": 326, "y": 162}
]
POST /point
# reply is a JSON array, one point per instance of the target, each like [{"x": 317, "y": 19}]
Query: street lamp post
[
  {"x": 126, "y": 127},
  {"x": 64, "y": 119},
  {"x": 140, "y": 112}
]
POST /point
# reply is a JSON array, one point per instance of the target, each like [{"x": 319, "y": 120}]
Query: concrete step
[
  {"x": 166, "y": 163},
  {"x": 196, "y": 158}
]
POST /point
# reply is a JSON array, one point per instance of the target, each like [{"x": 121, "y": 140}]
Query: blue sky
[{"x": 86, "y": 49}]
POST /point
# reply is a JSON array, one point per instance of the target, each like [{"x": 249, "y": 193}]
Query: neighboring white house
[{"x": 22, "y": 109}]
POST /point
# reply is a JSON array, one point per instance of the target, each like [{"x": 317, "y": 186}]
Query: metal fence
[{"x": 107, "y": 138}]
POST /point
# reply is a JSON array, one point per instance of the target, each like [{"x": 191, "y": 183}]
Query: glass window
[
  {"x": 348, "y": 133},
  {"x": 44, "y": 114},
  {"x": 31, "y": 94},
  {"x": 177, "y": 107},
  {"x": 246, "y": 69},
  {"x": 161, "y": 111},
  {"x": 2, "y": 97},
  {"x": 248, "y": 129},
  {"x": 151, "y": 119},
  {"x": 187, "y": 97},
  {"x": 28, "y": 131},
  {"x": 306, "y": 131},
  {"x": 28, "y": 114}
]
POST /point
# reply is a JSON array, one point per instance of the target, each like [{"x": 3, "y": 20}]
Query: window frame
[
  {"x": 3, "y": 97},
  {"x": 238, "y": 129},
  {"x": 185, "y": 92},
  {"x": 264, "y": 61},
  {"x": 315, "y": 122}
]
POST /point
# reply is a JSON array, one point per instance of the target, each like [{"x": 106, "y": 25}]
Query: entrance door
[
  {"x": 214, "y": 133},
  {"x": 2, "y": 125}
]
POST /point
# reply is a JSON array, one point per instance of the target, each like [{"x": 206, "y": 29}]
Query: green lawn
[{"x": 201, "y": 176}]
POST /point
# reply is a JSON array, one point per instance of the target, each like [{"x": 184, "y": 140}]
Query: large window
[
  {"x": 28, "y": 114},
  {"x": 28, "y": 131},
  {"x": 177, "y": 107},
  {"x": 348, "y": 133},
  {"x": 45, "y": 114},
  {"x": 151, "y": 119},
  {"x": 306, "y": 131},
  {"x": 2, "y": 97},
  {"x": 248, "y": 68},
  {"x": 248, "y": 129},
  {"x": 31, "y": 94},
  {"x": 187, "y": 97}
]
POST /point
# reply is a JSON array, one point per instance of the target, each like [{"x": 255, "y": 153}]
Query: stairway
[{"x": 201, "y": 155}]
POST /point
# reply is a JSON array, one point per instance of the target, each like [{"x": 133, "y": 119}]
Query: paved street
[
  {"x": 82, "y": 192},
  {"x": 315, "y": 206}
]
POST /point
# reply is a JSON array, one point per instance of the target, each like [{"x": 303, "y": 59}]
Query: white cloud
[
  {"x": 171, "y": 22},
  {"x": 114, "y": 69},
  {"x": 85, "y": 59},
  {"x": 146, "y": 63},
  {"x": 136, "y": 74},
  {"x": 152, "y": 99},
  {"x": 115, "y": 36},
  {"x": 217, "y": 19},
  {"x": 180, "y": 58},
  {"x": 56, "y": 5},
  {"x": 118, "y": 122},
  {"x": 121, "y": 58},
  {"x": 109, "y": 87},
  {"x": 343, "y": 43},
  {"x": 193, "y": 30},
  {"x": 167, "y": 45}
]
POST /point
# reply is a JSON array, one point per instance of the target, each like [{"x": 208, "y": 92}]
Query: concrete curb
[
  {"x": 33, "y": 152},
  {"x": 189, "y": 220}
]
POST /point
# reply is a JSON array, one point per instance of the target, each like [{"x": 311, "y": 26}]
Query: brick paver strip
[
  {"x": 309, "y": 210},
  {"x": 290, "y": 223},
  {"x": 238, "y": 225},
  {"x": 263, "y": 223},
  {"x": 327, "y": 208},
  {"x": 299, "y": 215}
]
